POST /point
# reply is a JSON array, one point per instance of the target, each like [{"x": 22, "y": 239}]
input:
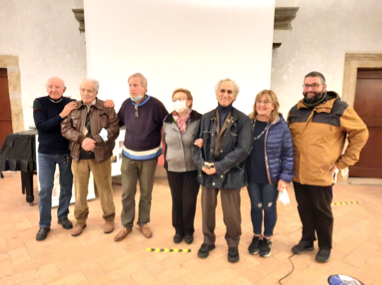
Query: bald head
[{"x": 55, "y": 87}]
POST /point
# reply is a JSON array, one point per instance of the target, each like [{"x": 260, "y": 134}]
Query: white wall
[
  {"x": 323, "y": 32},
  {"x": 189, "y": 43},
  {"x": 45, "y": 36}
]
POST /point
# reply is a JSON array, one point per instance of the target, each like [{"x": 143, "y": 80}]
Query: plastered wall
[
  {"x": 323, "y": 32},
  {"x": 190, "y": 44},
  {"x": 43, "y": 35}
]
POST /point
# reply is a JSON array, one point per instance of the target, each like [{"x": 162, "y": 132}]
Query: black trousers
[
  {"x": 184, "y": 191},
  {"x": 314, "y": 207}
]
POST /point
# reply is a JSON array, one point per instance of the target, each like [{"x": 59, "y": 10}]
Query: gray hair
[
  {"x": 94, "y": 81},
  {"x": 316, "y": 74},
  {"x": 141, "y": 78},
  {"x": 237, "y": 88}
]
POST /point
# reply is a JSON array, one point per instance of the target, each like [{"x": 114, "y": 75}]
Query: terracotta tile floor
[{"x": 94, "y": 257}]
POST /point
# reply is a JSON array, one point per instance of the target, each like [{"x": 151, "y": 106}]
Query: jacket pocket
[
  {"x": 76, "y": 122},
  {"x": 103, "y": 119}
]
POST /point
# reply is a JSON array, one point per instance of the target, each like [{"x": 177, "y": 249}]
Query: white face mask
[
  {"x": 284, "y": 198},
  {"x": 180, "y": 106},
  {"x": 136, "y": 98}
]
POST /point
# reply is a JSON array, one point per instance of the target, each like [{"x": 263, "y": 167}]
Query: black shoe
[
  {"x": 303, "y": 245},
  {"x": 323, "y": 255},
  {"x": 189, "y": 239},
  {"x": 233, "y": 254},
  {"x": 66, "y": 224},
  {"x": 254, "y": 246},
  {"x": 205, "y": 249},
  {"x": 265, "y": 247},
  {"x": 178, "y": 238},
  {"x": 42, "y": 234}
]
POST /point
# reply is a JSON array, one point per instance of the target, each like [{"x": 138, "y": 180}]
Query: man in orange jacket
[{"x": 320, "y": 124}]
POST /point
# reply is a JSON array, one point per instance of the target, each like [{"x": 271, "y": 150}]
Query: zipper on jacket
[{"x": 266, "y": 156}]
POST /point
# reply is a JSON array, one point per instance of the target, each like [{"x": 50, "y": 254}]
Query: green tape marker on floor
[
  {"x": 345, "y": 203},
  {"x": 167, "y": 250}
]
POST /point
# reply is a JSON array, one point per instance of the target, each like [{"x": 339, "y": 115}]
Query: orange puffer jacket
[{"x": 319, "y": 137}]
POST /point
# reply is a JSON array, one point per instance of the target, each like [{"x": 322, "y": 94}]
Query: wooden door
[
  {"x": 368, "y": 105},
  {"x": 5, "y": 104}
]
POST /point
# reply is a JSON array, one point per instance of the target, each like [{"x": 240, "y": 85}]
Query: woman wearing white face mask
[{"x": 178, "y": 132}]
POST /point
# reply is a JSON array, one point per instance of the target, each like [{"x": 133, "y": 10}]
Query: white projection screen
[{"x": 180, "y": 43}]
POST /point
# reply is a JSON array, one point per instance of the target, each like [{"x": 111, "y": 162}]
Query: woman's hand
[
  {"x": 199, "y": 143},
  {"x": 282, "y": 185}
]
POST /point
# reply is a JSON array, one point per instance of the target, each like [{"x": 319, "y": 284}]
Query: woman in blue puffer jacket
[{"x": 269, "y": 168}]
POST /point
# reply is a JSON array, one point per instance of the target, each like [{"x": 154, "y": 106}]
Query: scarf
[
  {"x": 315, "y": 104},
  {"x": 181, "y": 122}
]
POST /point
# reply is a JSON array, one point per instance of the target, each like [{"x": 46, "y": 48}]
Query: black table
[{"x": 18, "y": 153}]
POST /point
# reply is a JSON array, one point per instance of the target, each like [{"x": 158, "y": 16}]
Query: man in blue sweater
[
  {"x": 143, "y": 117},
  {"x": 48, "y": 112}
]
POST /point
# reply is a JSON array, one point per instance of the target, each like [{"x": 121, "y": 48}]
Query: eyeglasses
[
  {"x": 180, "y": 100},
  {"x": 266, "y": 102},
  {"x": 136, "y": 111},
  {"x": 314, "y": 85},
  {"x": 224, "y": 91}
]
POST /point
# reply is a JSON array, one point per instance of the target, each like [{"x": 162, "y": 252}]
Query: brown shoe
[
  {"x": 108, "y": 227},
  {"x": 122, "y": 234},
  {"x": 145, "y": 230},
  {"x": 78, "y": 228}
]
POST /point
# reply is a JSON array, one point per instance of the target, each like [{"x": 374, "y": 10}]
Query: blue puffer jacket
[{"x": 279, "y": 157}]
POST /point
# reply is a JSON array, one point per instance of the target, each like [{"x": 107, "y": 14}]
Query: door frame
[
  {"x": 11, "y": 63},
  {"x": 354, "y": 61}
]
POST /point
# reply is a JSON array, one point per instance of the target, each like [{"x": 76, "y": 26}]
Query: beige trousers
[{"x": 102, "y": 177}]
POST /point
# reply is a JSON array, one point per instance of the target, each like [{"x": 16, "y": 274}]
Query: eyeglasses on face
[
  {"x": 265, "y": 102},
  {"x": 314, "y": 85},
  {"x": 179, "y": 99},
  {"x": 224, "y": 91}
]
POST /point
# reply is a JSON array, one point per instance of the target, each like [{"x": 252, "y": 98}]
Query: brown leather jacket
[{"x": 100, "y": 117}]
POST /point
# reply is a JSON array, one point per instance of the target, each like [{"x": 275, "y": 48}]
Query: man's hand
[
  {"x": 68, "y": 108},
  {"x": 88, "y": 144},
  {"x": 209, "y": 171},
  {"x": 333, "y": 168},
  {"x": 281, "y": 185},
  {"x": 199, "y": 143},
  {"x": 209, "y": 168},
  {"x": 109, "y": 103}
]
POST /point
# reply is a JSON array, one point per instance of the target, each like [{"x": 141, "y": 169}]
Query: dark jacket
[
  {"x": 178, "y": 154},
  {"x": 234, "y": 148},
  {"x": 100, "y": 117},
  {"x": 278, "y": 153}
]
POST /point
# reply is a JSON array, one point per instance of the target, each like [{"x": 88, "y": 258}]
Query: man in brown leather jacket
[{"x": 91, "y": 130}]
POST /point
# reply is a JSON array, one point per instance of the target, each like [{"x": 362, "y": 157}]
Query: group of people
[{"x": 222, "y": 150}]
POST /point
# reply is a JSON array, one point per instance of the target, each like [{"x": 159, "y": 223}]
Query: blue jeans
[
  {"x": 263, "y": 198},
  {"x": 47, "y": 167}
]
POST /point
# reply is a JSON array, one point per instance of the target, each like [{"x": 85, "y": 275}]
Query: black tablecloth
[{"x": 19, "y": 152}]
